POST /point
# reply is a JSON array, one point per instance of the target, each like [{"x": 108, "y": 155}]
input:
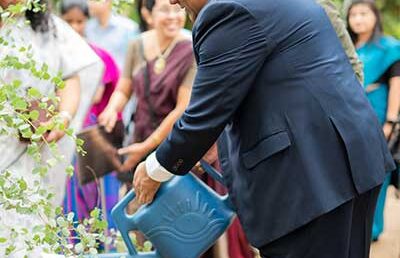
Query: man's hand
[{"x": 145, "y": 187}]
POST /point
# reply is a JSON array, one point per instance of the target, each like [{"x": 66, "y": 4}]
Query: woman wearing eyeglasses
[{"x": 159, "y": 70}]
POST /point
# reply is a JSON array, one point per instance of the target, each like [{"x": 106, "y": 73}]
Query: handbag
[
  {"x": 394, "y": 141},
  {"x": 102, "y": 157}
]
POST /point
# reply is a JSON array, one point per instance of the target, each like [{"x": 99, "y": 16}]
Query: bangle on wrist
[
  {"x": 392, "y": 121},
  {"x": 65, "y": 115}
]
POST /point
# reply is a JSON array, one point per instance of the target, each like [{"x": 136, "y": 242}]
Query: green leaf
[
  {"x": 41, "y": 130},
  {"x": 34, "y": 93},
  {"x": 79, "y": 142},
  {"x": 103, "y": 224},
  {"x": 27, "y": 134},
  {"x": 16, "y": 83},
  {"x": 61, "y": 222},
  {"x": 24, "y": 127},
  {"x": 3, "y": 240},
  {"x": 46, "y": 76},
  {"x": 36, "y": 137},
  {"x": 10, "y": 249},
  {"x": 42, "y": 171},
  {"x": 69, "y": 131},
  {"x": 147, "y": 246},
  {"x": 70, "y": 170},
  {"x": 42, "y": 192},
  {"x": 95, "y": 213},
  {"x": 22, "y": 184},
  {"x": 45, "y": 68},
  {"x": 19, "y": 104},
  {"x": 59, "y": 210},
  {"x": 34, "y": 115},
  {"x": 36, "y": 238},
  {"x": 50, "y": 196},
  {"x": 43, "y": 105}
]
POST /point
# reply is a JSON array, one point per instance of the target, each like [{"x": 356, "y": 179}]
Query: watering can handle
[
  {"x": 125, "y": 222},
  {"x": 212, "y": 172}
]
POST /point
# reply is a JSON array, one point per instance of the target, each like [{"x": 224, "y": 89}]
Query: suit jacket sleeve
[{"x": 230, "y": 48}]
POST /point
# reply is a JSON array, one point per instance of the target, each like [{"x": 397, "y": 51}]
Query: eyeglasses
[{"x": 170, "y": 10}]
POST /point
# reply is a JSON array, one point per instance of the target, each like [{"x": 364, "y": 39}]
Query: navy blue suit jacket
[{"x": 300, "y": 136}]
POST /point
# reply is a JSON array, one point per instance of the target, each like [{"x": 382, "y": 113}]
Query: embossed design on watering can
[{"x": 184, "y": 220}]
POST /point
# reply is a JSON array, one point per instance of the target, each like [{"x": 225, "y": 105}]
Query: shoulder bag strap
[{"x": 146, "y": 77}]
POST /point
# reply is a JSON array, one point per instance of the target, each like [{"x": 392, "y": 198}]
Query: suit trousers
[{"x": 344, "y": 232}]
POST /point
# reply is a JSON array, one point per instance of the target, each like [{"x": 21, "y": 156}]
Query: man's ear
[{"x": 146, "y": 16}]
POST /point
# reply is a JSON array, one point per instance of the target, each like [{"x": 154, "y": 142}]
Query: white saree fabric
[{"x": 62, "y": 50}]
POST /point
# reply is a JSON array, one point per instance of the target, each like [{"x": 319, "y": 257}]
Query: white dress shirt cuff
[{"x": 155, "y": 171}]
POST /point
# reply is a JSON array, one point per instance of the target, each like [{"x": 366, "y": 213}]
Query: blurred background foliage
[{"x": 390, "y": 10}]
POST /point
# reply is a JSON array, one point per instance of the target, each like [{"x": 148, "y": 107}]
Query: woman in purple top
[
  {"x": 159, "y": 70},
  {"x": 82, "y": 199}
]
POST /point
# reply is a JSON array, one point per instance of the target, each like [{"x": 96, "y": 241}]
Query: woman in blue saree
[{"x": 381, "y": 58}]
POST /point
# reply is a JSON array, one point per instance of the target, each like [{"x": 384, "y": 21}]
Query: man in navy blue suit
[{"x": 302, "y": 152}]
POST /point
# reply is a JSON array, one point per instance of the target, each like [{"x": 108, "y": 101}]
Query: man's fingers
[
  {"x": 142, "y": 198},
  {"x": 146, "y": 198}
]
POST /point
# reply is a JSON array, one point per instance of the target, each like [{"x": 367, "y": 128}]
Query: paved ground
[{"x": 388, "y": 245}]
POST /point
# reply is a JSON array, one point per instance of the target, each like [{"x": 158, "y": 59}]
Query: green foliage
[
  {"x": 118, "y": 242},
  {"x": 55, "y": 232}
]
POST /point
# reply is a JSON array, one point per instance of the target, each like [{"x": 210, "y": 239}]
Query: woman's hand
[
  {"x": 108, "y": 118},
  {"x": 54, "y": 135},
  {"x": 136, "y": 152}
]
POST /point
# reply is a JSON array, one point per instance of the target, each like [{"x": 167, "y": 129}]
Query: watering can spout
[{"x": 125, "y": 222}]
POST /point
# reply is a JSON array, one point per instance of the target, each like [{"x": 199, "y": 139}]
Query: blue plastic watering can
[{"x": 184, "y": 220}]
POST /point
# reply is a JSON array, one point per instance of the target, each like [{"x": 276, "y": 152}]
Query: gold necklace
[
  {"x": 160, "y": 64},
  {"x": 161, "y": 61}
]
